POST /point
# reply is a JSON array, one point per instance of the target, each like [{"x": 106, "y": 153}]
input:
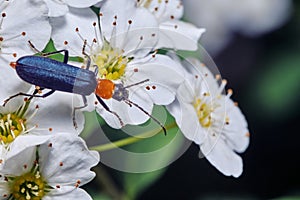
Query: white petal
[
  {"x": 128, "y": 115},
  {"x": 4, "y": 188},
  {"x": 67, "y": 193},
  {"x": 56, "y": 8},
  {"x": 10, "y": 83},
  {"x": 179, "y": 35},
  {"x": 237, "y": 133},
  {"x": 165, "y": 10},
  {"x": 205, "y": 81},
  {"x": 64, "y": 29},
  {"x": 222, "y": 157},
  {"x": 81, "y": 4},
  {"x": 23, "y": 142},
  {"x": 187, "y": 121},
  {"x": 27, "y": 20},
  {"x": 55, "y": 112},
  {"x": 125, "y": 35},
  {"x": 14, "y": 165},
  {"x": 67, "y": 160},
  {"x": 164, "y": 75}
]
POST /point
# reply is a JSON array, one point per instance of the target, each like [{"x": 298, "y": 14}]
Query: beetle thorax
[
  {"x": 120, "y": 92},
  {"x": 106, "y": 89}
]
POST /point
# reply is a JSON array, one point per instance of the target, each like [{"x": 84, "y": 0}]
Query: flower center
[
  {"x": 111, "y": 63},
  {"x": 203, "y": 112},
  {"x": 11, "y": 126},
  {"x": 28, "y": 186},
  {"x": 144, "y": 3}
]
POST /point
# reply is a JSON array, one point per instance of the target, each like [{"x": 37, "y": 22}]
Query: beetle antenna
[
  {"x": 34, "y": 48},
  {"x": 88, "y": 64},
  {"x": 138, "y": 83},
  {"x": 144, "y": 111}
]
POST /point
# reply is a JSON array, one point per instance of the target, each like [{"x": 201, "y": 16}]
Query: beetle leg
[
  {"x": 29, "y": 95},
  {"x": 66, "y": 52},
  {"x": 108, "y": 110},
  {"x": 77, "y": 108}
]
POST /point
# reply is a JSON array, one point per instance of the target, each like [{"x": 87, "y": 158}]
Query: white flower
[
  {"x": 61, "y": 7},
  {"x": 122, "y": 50},
  {"x": 222, "y": 18},
  {"x": 18, "y": 24},
  {"x": 56, "y": 169},
  {"x": 24, "y": 122},
  {"x": 174, "y": 33},
  {"x": 210, "y": 119}
]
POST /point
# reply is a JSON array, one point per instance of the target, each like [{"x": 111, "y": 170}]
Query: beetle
[{"x": 46, "y": 73}]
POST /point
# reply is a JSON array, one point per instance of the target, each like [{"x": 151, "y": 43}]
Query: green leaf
[{"x": 60, "y": 57}]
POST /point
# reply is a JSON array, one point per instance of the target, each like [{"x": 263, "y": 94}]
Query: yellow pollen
[
  {"x": 111, "y": 63},
  {"x": 11, "y": 126},
  {"x": 28, "y": 186},
  {"x": 203, "y": 112}
]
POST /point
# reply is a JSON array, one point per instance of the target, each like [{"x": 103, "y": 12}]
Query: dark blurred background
[{"x": 264, "y": 72}]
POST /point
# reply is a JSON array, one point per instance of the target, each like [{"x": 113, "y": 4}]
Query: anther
[
  {"x": 94, "y": 23},
  {"x": 13, "y": 64},
  {"x": 23, "y": 33}
]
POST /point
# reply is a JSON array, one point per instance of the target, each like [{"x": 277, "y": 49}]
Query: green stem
[{"x": 130, "y": 140}]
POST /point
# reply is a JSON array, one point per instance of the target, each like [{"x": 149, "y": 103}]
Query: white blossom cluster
[{"x": 42, "y": 154}]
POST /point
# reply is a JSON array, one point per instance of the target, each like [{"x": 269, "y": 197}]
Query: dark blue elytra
[
  {"x": 60, "y": 76},
  {"x": 51, "y": 74}
]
